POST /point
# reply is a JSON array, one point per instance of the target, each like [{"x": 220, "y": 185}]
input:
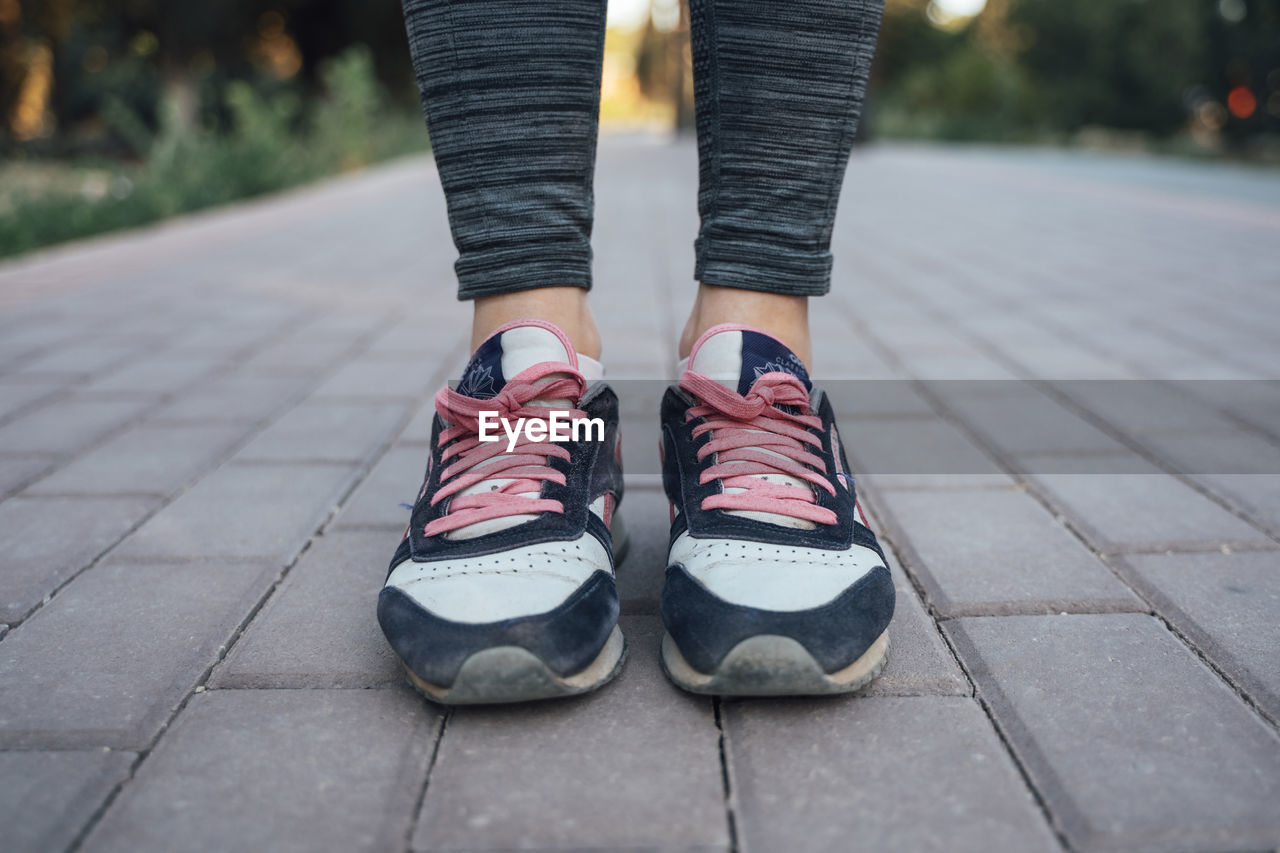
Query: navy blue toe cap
[
  {"x": 706, "y": 627},
  {"x": 567, "y": 639}
]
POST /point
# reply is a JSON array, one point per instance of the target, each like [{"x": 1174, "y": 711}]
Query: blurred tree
[
  {"x": 907, "y": 41},
  {"x": 663, "y": 65},
  {"x": 1115, "y": 63},
  {"x": 1027, "y": 67},
  {"x": 172, "y": 60},
  {"x": 945, "y": 81},
  {"x": 1243, "y": 66},
  {"x": 105, "y": 75}
]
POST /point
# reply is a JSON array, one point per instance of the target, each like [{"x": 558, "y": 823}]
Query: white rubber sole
[
  {"x": 772, "y": 665},
  {"x": 511, "y": 674}
]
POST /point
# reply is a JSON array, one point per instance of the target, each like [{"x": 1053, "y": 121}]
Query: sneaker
[
  {"x": 775, "y": 585},
  {"x": 502, "y": 589}
]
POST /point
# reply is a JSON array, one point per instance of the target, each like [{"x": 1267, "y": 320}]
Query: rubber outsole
[
  {"x": 773, "y": 665},
  {"x": 505, "y": 674}
]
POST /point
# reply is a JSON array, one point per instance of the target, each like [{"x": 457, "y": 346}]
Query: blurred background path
[
  {"x": 115, "y": 115},
  {"x": 207, "y": 429}
]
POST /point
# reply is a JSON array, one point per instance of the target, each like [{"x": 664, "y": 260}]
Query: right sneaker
[
  {"x": 775, "y": 584},
  {"x": 502, "y": 589}
]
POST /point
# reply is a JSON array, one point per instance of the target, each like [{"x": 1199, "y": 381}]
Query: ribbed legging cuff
[
  {"x": 778, "y": 89},
  {"x": 524, "y": 268},
  {"x": 511, "y": 91},
  {"x": 750, "y": 265}
]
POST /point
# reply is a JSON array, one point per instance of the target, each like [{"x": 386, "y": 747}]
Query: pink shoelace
[
  {"x": 526, "y": 467},
  {"x": 743, "y": 428}
]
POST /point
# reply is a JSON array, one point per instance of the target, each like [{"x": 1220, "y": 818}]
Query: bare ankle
[
  {"x": 565, "y": 306},
  {"x": 784, "y": 317}
]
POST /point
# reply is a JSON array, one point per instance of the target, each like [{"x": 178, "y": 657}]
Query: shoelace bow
[
  {"x": 526, "y": 467},
  {"x": 751, "y": 436}
]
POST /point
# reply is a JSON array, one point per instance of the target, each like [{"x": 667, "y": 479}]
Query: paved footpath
[{"x": 207, "y": 430}]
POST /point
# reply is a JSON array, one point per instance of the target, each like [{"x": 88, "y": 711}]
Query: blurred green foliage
[
  {"x": 270, "y": 141},
  {"x": 158, "y": 55},
  {"x": 1025, "y": 70},
  {"x": 154, "y": 107}
]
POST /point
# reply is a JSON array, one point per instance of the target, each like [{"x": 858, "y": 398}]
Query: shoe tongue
[
  {"x": 513, "y": 348},
  {"x": 507, "y": 352},
  {"x": 736, "y": 357}
]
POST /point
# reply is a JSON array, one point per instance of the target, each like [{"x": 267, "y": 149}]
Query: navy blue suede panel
[
  {"x": 763, "y": 354},
  {"x": 706, "y": 627},
  {"x": 567, "y": 639},
  {"x": 606, "y": 472},
  {"x": 482, "y": 378}
]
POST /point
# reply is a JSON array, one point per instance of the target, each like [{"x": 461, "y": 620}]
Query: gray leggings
[{"x": 511, "y": 91}]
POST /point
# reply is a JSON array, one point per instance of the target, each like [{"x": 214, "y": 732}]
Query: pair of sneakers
[{"x": 502, "y": 589}]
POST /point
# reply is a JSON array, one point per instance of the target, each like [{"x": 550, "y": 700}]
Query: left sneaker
[
  {"x": 502, "y": 589},
  {"x": 775, "y": 585}
]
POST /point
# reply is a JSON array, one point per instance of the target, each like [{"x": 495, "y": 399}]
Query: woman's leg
[
  {"x": 511, "y": 92},
  {"x": 779, "y": 89},
  {"x": 774, "y": 584},
  {"x": 502, "y": 587}
]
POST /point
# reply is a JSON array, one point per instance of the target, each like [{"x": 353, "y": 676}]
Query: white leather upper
[
  {"x": 771, "y": 577},
  {"x": 518, "y": 582},
  {"x": 719, "y": 357}
]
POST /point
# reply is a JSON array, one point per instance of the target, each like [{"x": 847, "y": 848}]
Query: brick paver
[
  {"x": 918, "y": 453},
  {"x": 646, "y": 516},
  {"x": 1227, "y": 605},
  {"x": 380, "y": 499},
  {"x": 634, "y": 766},
  {"x": 1129, "y": 738},
  {"x": 16, "y": 393},
  {"x": 290, "y": 770},
  {"x": 242, "y": 396},
  {"x": 46, "y": 798},
  {"x": 17, "y": 470},
  {"x": 158, "y": 375},
  {"x": 69, "y": 426},
  {"x": 39, "y": 556},
  {"x": 111, "y": 656},
  {"x": 245, "y": 511},
  {"x": 145, "y": 460},
  {"x": 323, "y": 431},
  {"x": 1025, "y": 422},
  {"x": 997, "y": 552},
  {"x": 1145, "y": 512},
  {"x": 316, "y": 629},
  {"x": 207, "y": 431},
  {"x": 876, "y": 774}
]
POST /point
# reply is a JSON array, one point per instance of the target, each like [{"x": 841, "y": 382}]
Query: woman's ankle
[
  {"x": 565, "y": 306},
  {"x": 784, "y": 317}
]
